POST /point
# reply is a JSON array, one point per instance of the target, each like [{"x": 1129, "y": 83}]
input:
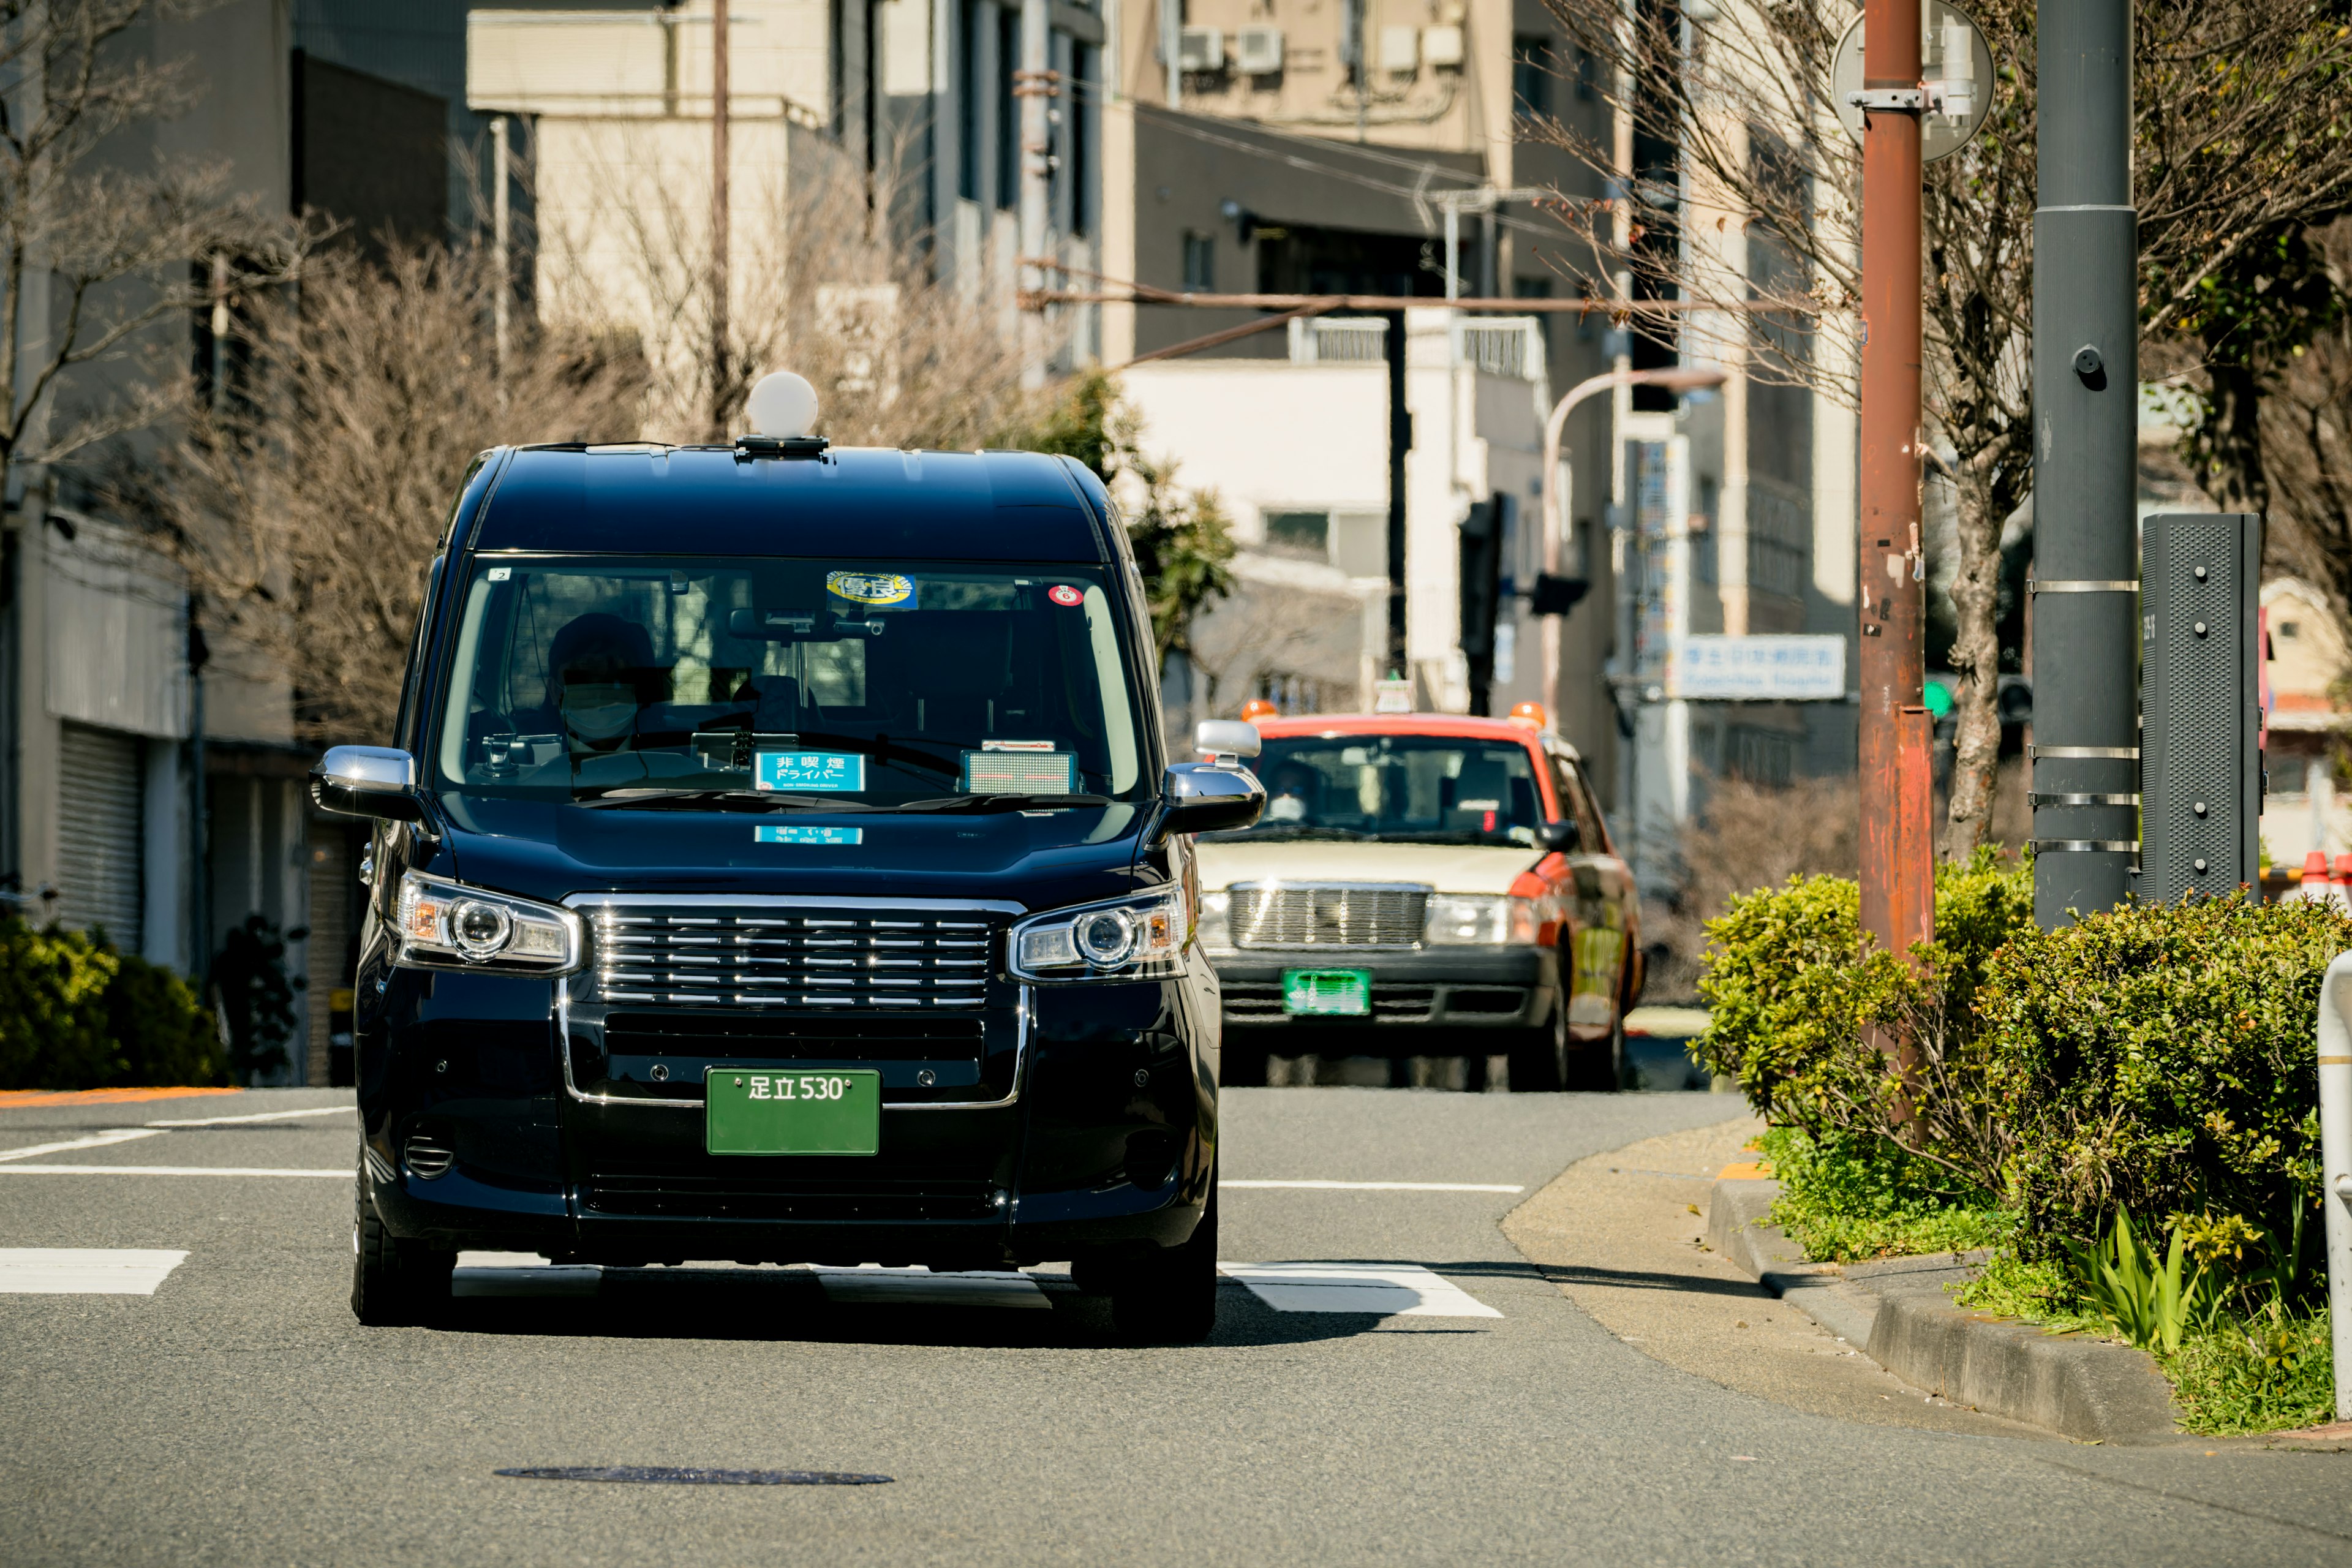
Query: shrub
[
  {"x": 76, "y": 1014},
  {"x": 2158, "y": 1057},
  {"x": 1851, "y": 1198},
  {"x": 161, "y": 1035},
  {"x": 52, "y": 1008}
]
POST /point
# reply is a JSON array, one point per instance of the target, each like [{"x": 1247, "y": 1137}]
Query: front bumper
[
  {"x": 1415, "y": 991},
  {"x": 1104, "y": 1136}
]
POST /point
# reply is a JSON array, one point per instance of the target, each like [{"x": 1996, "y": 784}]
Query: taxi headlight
[
  {"x": 1216, "y": 922},
  {"x": 1499, "y": 919},
  {"x": 447, "y": 925},
  {"x": 1122, "y": 938}
]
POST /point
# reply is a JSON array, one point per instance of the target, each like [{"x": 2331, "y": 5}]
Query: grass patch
[
  {"x": 2270, "y": 1374},
  {"x": 1846, "y": 1199}
]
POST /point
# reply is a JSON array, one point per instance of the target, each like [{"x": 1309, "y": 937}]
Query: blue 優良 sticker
[
  {"x": 872, "y": 588},
  {"x": 819, "y": 772},
  {"x": 791, "y": 833}
]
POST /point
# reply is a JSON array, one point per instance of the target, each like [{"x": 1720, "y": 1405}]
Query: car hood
[
  {"x": 1447, "y": 867},
  {"x": 552, "y": 850}
]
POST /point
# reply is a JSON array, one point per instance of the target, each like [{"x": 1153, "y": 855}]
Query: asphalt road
[{"x": 239, "y": 1415}]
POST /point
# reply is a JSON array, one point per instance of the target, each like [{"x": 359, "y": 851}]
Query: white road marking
[
  {"x": 920, "y": 1286},
  {"x": 522, "y": 1274},
  {"x": 85, "y": 1271},
  {"x": 1390, "y": 1290},
  {"x": 163, "y": 1171},
  {"x": 257, "y": 1116},
  {"x": 1380, "y": 1187},
  {"x": 95, "y": 1141}
]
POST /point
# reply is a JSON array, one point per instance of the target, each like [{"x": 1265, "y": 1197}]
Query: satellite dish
[
  {"x": 1955, "y": 68},
  {"x": 781, "y": 406}
]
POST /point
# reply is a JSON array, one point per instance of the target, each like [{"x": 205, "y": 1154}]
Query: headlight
[
  {"x": 1498, "y": 920},
  {"x": 1216, "y": 932},
  {"x": 1124, "y": 938},
  {"x": 447, "y": 925}
]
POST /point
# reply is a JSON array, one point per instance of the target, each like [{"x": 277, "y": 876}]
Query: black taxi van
[{"x": 778, "y": 861}]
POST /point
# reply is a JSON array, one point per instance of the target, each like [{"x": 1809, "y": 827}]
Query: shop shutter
[
  {"x": 332, "y": 886},
  {"x": 100, "y": 782}
]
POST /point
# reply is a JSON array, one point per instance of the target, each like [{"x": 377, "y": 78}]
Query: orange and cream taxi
[{"x": 1422, "y": 884}]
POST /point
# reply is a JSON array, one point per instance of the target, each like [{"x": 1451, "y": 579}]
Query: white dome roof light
[{"x": 782, "y": 408}]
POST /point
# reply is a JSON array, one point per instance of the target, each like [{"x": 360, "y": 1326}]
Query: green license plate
[
  {"x": 1341, "y": 993},
  {"x": 767, "y": 1110}
]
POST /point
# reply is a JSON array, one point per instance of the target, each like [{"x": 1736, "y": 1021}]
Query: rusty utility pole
[
  {"x": 721, "y": 371},
  {"x": 1897, "y": 864}
]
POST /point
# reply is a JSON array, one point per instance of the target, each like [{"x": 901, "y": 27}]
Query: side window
[
  {"x": 409, "y": 695},
  {"x": 1593, "y": 838}
]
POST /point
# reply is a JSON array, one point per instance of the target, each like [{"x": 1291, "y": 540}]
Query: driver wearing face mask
[
  {"x": 596, "y": 666},
  {"x": 1287, "y": 797}
]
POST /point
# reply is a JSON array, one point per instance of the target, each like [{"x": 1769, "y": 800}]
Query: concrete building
[{"x": 144, "y": 793}]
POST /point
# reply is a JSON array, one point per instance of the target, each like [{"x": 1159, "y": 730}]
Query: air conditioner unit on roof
[
  {"x": 1259, "y": 50},
  {"x": 1201, "y": 49}
]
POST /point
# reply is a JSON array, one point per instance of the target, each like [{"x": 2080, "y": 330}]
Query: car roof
[
  {"x": 1458, "y": 725},
  {"x": 646, "y": 499}
]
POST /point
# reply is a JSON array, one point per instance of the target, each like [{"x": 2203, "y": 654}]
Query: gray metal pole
[{"x": 2085, "y": 395}]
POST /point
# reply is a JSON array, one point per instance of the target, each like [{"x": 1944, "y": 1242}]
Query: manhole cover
[{"x": 682, "y": 1476}]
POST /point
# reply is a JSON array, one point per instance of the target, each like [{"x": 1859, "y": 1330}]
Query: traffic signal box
[{"x": 2200, "y": 713}]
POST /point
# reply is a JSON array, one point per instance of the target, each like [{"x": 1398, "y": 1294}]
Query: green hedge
[
  {"x": 76, "y": 1014},
  {"x": 2158, "y": 1057}
]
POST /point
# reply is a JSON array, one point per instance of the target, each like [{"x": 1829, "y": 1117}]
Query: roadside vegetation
[
  {"x": 75, "y": 1013},
  {"x": 2121, "y": 1109}
]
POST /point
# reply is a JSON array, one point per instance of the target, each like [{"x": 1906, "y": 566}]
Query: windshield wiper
[
  {"x": 1286, "y": 830},
  {"x": 764, "y": 800},
  {"x": 999, "y": 802}
]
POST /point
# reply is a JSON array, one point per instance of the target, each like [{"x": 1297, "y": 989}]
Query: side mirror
[
  {"x": 367, "y": 781},
  {"x": 1201, "y": 798},
  {"x": 1562, "y": 836},
  {"x": 1221, "y": 738}
]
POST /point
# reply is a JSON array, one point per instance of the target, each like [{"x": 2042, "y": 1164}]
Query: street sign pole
[
  {"x": 2085, "y": 397},
  {"x": 1898, "y": 894}
]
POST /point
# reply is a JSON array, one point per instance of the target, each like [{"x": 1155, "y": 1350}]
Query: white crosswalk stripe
[
  {"x": 85, "y": 1271},
  {"x": 1390, "y": 1290}
]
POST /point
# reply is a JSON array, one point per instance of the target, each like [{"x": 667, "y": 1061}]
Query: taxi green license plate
[
  {"x": 749, "y": 1111},
  {"x": 1341, "y": 992}
]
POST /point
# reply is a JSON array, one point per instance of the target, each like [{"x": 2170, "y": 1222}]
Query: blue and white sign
[
  {"x": 812, "y": 772},
  {"x": 790, "y": 833},
  {"x": 1716, "y": 668}
]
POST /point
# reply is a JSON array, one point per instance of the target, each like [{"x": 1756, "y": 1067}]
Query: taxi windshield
[
  {"x": 782, "y": 683},
  {"x": 1420, "y": 789}
]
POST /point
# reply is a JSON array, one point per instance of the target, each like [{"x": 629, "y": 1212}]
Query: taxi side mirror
[
  {"x": 1197, "y": 797},
  {"x": 1562, "y": 836},
  {"x": 367, "y": 781},
  {"x": 1226, "y": 740}
]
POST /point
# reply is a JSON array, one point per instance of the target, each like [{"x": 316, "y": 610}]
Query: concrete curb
[{"x": 1898, "y": 1314}]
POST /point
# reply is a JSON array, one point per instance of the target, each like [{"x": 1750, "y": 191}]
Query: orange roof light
[
  {"x": 1531, "y": 714},
  {"x": 1258, "y": 708}
]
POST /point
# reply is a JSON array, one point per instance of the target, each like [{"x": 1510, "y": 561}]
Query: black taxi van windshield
[
  {"x": 1418, "y": 789},
  {"x": 788, "y": 683}
]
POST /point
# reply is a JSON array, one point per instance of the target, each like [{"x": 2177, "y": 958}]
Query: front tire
[
  {"x": 1170, "y": 1297},
  {"x": 394, "y": 1282},
  {"x": 1539, "y": 1056}
]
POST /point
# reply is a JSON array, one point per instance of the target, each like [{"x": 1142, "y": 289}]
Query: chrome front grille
[
  {"x": 791, "y": 957},
  {"x": 1328, "y": 914}
]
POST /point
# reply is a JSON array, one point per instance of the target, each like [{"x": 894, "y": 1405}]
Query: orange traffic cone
[{"x": 2315, "y": 887}]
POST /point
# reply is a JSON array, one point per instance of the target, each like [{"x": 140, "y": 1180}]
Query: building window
[
  {"x": 1200, "y": 263},
  {"x": 968, "y": 80},
  {"x": 1307, "y": 534},
  {"x": 1588, "y": 75},
  {"x": 1531, "y": 69},
  {"x": 1008, "y": 107},
  {"x": 1082, "y": 138}
]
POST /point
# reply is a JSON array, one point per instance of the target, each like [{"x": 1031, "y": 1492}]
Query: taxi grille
[
  {"x": 1294, "y": 915},
  {"x": 850, "y": 959}
]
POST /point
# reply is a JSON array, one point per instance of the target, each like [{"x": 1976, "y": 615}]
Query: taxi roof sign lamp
[
  {"x": 1531, "y": 714},
  {"x": 1558, "y": 489},
  {"x": 1223, "y": 742},
  {"x": 783, "y": 410},
  {"x": 1258, "y": 708}
]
